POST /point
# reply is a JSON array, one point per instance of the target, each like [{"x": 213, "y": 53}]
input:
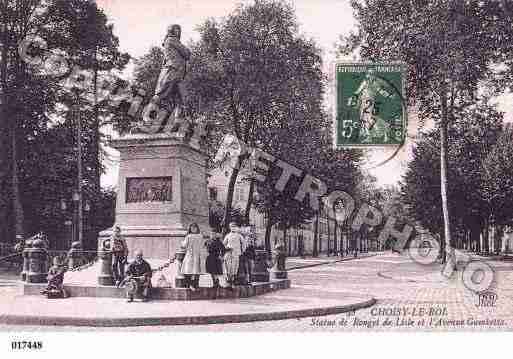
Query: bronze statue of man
[{"x": 169, "y": 90}]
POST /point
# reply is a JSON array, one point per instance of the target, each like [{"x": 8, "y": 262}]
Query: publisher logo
[{"x": 486, "y": 300}]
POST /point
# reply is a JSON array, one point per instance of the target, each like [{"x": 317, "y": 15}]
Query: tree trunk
[
  {"x": 229, "y": 200},
  {"x": 80, "y": 176},
  {"x": 250, "y": 201},
  {"x": 341, "y": 246},
  {"x": 16, "y": 197},
  {"x": 97, "y": 163},
  {"x": 474, "y": 238},
  {"x": 268, "y": 228},
  {"x": 315, "y": 251},
  {"x": 486, "y": 237},
  {"x": 446, "y": 239},
  {"x": 329, "y": 233},
  {"x": 321, "y": 237},
  {"x": 5, "y": 182},
  {"x": 478, "y": 241},
  {"x": 335, "y": 251},
  {"x": 491, "y": 238},
  {"x": 359, "y": 242},
  {"x": 5, "y": 198},
  {"x": 499, "y": 234},
  {"x": 285, "y": 242}
]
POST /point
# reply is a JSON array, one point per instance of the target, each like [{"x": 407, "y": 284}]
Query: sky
[{"x": 142, "y": 24}]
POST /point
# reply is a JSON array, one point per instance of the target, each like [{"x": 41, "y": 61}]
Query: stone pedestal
[
  {"x": 278, "y": 271},
  {"x": 180, "y": 281},
  {"x": 38, "y": 262},
  {"x": 26, "y": 264},
  {"x": 162, "y": 188},
  {"x": 105, "y": 276},
  {"x": 260, "y": 272}
]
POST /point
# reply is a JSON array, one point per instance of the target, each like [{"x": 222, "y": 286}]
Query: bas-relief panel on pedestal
[{"x": 149, "y": 189}]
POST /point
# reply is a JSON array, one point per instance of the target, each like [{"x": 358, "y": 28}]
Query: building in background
[{"x": 297, "y": 240}]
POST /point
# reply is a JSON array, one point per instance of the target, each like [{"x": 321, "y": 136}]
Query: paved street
[{"x": 410, "y": 297}]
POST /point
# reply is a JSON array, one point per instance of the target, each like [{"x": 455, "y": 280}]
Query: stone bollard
[
  {"x": 260, "y": 272},
  {"x": 37, "y": 262},
  {"x": 24, "y": 255},
  {"x": 279, "y": 271},
  {"x": 180, "y": 281},
  {"x": 74, "y": 255},
  {"x": 105, "y": 258}
]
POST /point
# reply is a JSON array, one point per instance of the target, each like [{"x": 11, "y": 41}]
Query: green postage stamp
[{"x": 370, "y": 107}]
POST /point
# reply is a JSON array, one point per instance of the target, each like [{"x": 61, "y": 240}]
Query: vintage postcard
[{"x": 260, "y": 165}]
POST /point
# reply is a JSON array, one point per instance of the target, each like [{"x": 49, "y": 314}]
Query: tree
[
  {"x": 280, "y": 207},
  {"x": 93, "y": 48},
  {"x": 498, "y": 176},
  {"x": 472, "y": 135},
  {"x": 448, "y": 47},
  {"x": 248, "y": 73},
  {"x": 15, "y": 17},
  {"x": 35, "y": 100},
  {"x": 4, "y": 163},
  {"x": 147, "y": 70},
  {"x": 420, "y": 185},
  {"x": 314, "y": 154}
]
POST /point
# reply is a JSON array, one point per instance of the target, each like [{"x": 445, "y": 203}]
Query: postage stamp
[
  {"x": 172, "y": 166},
  {"x": 370, "y": 107}
]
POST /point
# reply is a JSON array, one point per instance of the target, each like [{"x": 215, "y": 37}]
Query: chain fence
[
  {"x": 85, "y": 260},
  {"x": 84, "y": 266},
  {"x": 164, "y": 266}
]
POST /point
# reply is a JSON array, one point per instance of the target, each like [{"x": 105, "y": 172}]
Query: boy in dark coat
[
  {"x": 119, "y": 255},
  {"x": 56, "y": 278},
  {"x": 214, "y": 264},
  {"x": 140, "y": 270}
]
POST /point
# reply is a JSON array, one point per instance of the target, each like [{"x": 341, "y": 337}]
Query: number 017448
[{"x": 26, "y": 345}]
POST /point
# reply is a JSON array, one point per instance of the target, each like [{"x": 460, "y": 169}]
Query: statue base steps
[
  {"x": 160, "y": 293},
  {"x": 155, "y": 242}
]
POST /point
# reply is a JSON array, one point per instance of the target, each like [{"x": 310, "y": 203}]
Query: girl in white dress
[{"x": 195, "y": 255}]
